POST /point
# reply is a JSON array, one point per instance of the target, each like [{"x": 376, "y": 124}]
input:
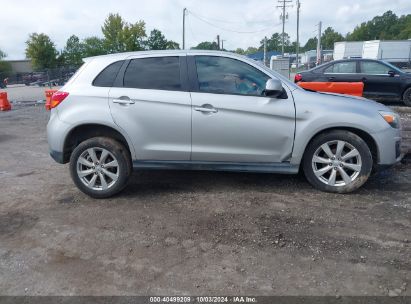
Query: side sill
[{"x": 281, "y": 168}]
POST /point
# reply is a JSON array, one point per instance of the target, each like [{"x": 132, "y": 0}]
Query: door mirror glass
[{"x": 273, "y": 88}]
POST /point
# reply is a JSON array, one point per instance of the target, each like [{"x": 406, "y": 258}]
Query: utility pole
[
  {"x": 222, "y": 43},
  {"x": 218, "y": 42},
  {"x": 319, "y": 44},
  {"x": 298, "y": 33},
  {"x": 184, "y": 28},
  {"x": 265, "y": 51},
  {"x": 283, "y": 17}
]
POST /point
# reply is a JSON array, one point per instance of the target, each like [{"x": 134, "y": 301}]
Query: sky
[{"x": 233, "y": 20}]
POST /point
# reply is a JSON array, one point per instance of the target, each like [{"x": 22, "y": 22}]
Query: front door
[
  {"x": 232, "y": 120},
  {"x": 154, "y": 108},
  {"x": 378, "y": 83}
]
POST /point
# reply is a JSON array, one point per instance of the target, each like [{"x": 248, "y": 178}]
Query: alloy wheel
[
  {"x": 337, "y": 163},
  {"x": 98, "y": 169}
]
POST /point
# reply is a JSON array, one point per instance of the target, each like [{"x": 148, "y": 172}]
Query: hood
[{"x": 339, "y": 101}]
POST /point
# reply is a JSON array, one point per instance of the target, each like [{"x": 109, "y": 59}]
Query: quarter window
[
  {"x": 373, "y": 68},
  {"x": 156, "y": 73},
  {"x": 349, "y": 67},
  {"x": 229, "y": 76},
  {"x": 108, "y": 75}
]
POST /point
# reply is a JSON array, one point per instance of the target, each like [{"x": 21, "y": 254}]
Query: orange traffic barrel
[
  {"x": 348, "y": 88},
  {"x": 4, "y": 102},
  {"x": 49, "y": 94}
]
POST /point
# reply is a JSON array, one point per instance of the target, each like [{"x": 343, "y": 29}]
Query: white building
[
  {"x": 397, "y": 51},
  {"x": 348, "y": 49},
  {"x": 391, "y": 51}
]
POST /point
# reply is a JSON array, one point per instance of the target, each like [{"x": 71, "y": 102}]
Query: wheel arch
[
  {"x": 80, "y": 133},
  {"x": 369, "y": 140}
]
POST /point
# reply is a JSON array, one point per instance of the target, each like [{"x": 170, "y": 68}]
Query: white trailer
[
  {"x": 391, "y": 51},
  {"x": 348, "y": 49}
]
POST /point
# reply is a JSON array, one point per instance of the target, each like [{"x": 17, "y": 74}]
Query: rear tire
[
  {"x": 406, "y": 97},
  {"x": 100, "y": 167},
  {"x": 338, "y": 162}
]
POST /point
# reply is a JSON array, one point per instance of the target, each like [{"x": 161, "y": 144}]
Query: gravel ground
[{"x": 202, "y": 233}]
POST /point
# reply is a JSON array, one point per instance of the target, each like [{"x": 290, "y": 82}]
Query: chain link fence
[{"x": 44, "y": 78}]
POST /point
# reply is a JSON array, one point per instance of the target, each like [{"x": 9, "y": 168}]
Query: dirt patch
[{"x": 15, "y": 222}]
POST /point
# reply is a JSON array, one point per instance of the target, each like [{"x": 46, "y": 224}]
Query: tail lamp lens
[
  {"x": 298, "y": 78},
  {"x": 57, "y": 98}
]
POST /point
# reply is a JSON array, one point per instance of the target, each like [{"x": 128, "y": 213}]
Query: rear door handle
[
  {"x": 331, "y": 78},
  {"x": 205, "y": 110},
  {"x": 124, "y": 101}
]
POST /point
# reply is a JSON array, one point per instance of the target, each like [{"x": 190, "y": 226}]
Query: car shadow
[{"x": 147, "y": 182}]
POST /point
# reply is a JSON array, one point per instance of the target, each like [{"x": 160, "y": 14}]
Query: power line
[
  {"x": 230, "y": 21},
  {"x": 226, "y": 29}
]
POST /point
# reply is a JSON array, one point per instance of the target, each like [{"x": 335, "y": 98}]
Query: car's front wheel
[
  {"x": 338, "y": 161},
  {"x": 100, "y": 167}
]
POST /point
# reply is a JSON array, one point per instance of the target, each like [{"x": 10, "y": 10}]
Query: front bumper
[{"x": 389, "y": 147}]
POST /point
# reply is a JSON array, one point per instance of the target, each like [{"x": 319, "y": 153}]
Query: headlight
[{"x": 391, "y": 118}]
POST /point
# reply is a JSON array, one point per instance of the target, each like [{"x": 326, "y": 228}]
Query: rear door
[
  {"x": 344, "y": 71},
  {"x": 232, "y": 119},
  {"x": 378, "y": 83},
  {"x": 152, "y": 104}
]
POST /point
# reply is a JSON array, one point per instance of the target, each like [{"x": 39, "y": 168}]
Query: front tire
[
  {"x": 100, "y": 167},
  {"x": 338, "y": 162},
  {"x": 406, "y": 97}
]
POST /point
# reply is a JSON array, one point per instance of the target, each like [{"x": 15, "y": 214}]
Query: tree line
[
  {"x": 118, "y": 36},
  {"x": 121, "y": 36}
]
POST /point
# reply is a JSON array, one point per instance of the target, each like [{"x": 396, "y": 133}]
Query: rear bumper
[
  {"x": 56, "y": 134},
  {"x": 57, "y": 156}
]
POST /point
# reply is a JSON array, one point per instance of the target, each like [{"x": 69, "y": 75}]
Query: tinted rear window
[
  {"x": 157, "y": 73},
  {"x": 108, "y": 75}
]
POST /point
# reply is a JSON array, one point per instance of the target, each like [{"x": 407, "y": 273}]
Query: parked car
[
  {"x": 205, "y": 110},
  {"x": 382, "y": 80}
]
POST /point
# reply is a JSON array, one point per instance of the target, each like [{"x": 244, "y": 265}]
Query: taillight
[
  {"x": 298, "y": 78},
  {"x": 57, "y": 98}
]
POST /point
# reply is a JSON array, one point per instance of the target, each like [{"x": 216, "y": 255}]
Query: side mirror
[
  {"x": 391, "y": 73},
  {"x": 273, "y": 88}
]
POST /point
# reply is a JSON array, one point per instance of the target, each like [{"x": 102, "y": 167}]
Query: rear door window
[
  {"x": 156, "y": 73},
  {"x": 349, "y": 67},
  {"x": 108, "y": 75}
]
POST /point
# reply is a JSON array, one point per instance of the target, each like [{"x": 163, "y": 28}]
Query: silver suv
[{"x": 204, "y": 110}]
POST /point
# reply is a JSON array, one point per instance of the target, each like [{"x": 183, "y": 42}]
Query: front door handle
[
  {"x": 205, "y": 109},
  {"x": 331, "y": 78},
  {"x": 124, "y": 101}
]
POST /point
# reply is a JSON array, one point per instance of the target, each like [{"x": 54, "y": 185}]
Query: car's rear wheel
[
  {"x": 407, "y": 97},
  {"x": 100, "y": 167},
  {"x": 338, "y": 161}
]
